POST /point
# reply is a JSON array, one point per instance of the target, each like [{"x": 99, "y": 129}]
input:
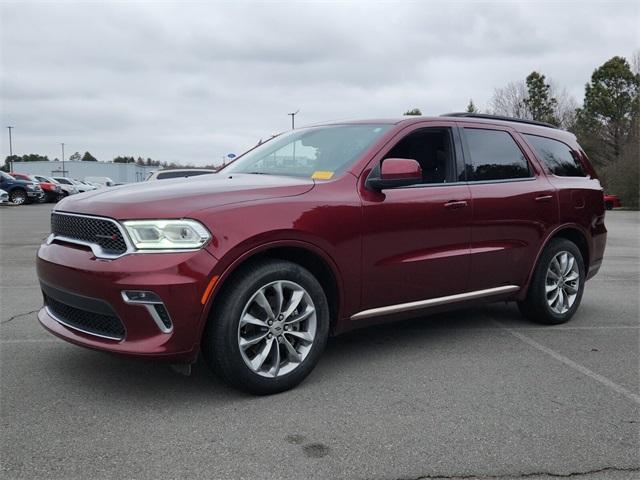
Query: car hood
[
  {"x": 178, "y": 197},
  {"x": 18, "y": 181}
]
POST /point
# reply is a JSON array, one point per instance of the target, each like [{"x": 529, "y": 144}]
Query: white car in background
[
  {"x": 4, "y": 196},
  {"x": 86, "y": 185},
  {"x": 100, "y": 182},
  {"x": 67, "y": 186},
  {"x": 83, "y": 187}
]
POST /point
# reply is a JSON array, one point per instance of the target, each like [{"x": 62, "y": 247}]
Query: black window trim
[
  {"x": 456, "y": 152},
  {"x": 467, "y": 155}
]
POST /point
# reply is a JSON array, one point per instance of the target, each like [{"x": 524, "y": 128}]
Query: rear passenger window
[
  {"x": 494, "y": 156},
  {"x": 557, "y": 156}
]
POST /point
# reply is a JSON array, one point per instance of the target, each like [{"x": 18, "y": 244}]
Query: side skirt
[{"x": 432, "y": 302}]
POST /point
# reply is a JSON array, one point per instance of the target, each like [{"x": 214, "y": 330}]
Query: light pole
[
  {"x": 62, "y": 159},
  {"x": 10, "y": 151},
  {"x": 293, "y": 121}
]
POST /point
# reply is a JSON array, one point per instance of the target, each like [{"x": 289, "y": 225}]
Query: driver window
[{"x": 432, "y": 148}]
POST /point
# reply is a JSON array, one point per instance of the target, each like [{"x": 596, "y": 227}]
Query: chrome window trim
[
  {"x": 72, "y": 327},
  {"x": 432, "y": 302}
]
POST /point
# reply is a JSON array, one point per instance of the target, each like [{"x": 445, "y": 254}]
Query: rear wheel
[
  {"x": 268, "y": 327},
  {"x": 18, "y": 196},
  {"x": 557, "y": 285}
]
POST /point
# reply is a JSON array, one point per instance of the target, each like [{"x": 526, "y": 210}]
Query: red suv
[{"x": 323, "y": 230}]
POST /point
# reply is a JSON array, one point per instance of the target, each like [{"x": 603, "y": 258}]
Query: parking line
[{"x": 570, "y": 363}]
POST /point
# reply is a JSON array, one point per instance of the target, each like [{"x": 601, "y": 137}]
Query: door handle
[
  {"x": 544, "y": 198},
  {"x": 453, "y": 204}
]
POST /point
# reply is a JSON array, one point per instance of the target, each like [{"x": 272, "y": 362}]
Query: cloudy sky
[{"x": 190, "y": 82}]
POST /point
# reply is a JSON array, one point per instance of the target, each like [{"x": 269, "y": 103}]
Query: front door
[{"x": 416, "y": 239}]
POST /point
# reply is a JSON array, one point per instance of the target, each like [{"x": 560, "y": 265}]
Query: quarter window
[
  {"x": 557, "y": 156},
  {"x": 494, "y": 156}
]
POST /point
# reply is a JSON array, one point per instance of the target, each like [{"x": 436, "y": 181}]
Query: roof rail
[{"x": 498, "y": 117}]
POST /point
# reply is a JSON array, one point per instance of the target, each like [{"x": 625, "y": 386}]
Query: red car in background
[
  {"x": 326, "y": 229},
  {"x": 52, "y": 191},
  {"x": 611, "y": 202}
]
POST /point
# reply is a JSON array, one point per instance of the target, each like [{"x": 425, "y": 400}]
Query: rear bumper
[{"x": 78, "y": 280}]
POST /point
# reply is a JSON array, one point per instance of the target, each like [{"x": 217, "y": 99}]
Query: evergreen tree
[{"x": 539, "y": 102}]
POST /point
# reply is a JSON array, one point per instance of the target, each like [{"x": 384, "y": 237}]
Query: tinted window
[
  {"x": 63, "y": 180},
  {"x": 494, "y": 156},
  {"x": 557, "y": 156}
]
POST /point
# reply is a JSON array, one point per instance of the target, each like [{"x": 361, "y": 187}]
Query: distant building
[{"x": 118, "y": 172}]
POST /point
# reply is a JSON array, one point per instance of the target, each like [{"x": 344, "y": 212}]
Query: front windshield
[
  {"x": 318, "y": 152},
  {"x": 6, "y": 176}
]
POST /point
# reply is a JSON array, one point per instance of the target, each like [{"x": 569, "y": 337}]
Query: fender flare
[
  {"x": 566, "y": 226},
  {"x": 246, "y": 255}
]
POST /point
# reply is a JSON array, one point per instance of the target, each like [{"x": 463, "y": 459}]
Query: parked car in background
[
  {"x": 100, "y": 182},
  {"x": 67, "y": 185},
  {"x": 20, "y": 191},
  {"x": 374, "y": 221},
  {"x": 81, "y": 186},
  {"x": 178, "y": 173},
  {"x": 86, "y": 186},
  {"x": 612, "y": 201},
  {"x": 49, "y": 180},
  {"x": 4, "y": 196},
  {"x": 51, "y": 188}
]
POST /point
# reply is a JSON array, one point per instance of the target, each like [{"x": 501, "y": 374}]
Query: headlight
[{"x": 167, "y": 234}]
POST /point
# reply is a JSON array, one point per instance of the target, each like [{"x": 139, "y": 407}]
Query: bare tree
[
  {"x": 565, "y": 107},
  {"x": 509, "y": 101},
  {"x": 635, "y": 62}
]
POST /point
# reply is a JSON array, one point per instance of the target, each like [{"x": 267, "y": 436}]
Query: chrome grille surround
[{"x": 103, "y": 235}]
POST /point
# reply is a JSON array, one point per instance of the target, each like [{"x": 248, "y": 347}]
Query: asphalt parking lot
[{"x": 471, "y": 393}]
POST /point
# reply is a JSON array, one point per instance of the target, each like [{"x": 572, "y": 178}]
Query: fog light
[{"x": 154, "y": 305}]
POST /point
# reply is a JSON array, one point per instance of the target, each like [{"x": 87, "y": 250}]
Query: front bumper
[
  {"x": 35, "y": 194},
  {"x": 76, "y": 278}
]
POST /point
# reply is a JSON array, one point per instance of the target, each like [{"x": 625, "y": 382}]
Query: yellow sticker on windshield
[{"x": 322, "y": 175}]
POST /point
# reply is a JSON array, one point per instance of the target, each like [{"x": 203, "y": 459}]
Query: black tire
[
  {"x": 608, "y": 205},
  {"x": 536, "y": 307},
  {"x": 220, "y": 345},
  {"x": 18, "y": 196}
]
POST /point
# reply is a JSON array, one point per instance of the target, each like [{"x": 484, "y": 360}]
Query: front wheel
[
  {"x": 18, "y": 196},
  {"x": 557, "y": 284},
  {"x": 268, "y": 327}
]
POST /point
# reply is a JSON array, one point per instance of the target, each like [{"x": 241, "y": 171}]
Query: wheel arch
[
  {"x": 572, "y": 232},
  {"x": 314, "y": 259}
]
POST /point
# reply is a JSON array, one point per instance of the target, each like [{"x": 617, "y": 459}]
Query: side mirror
[{"x": 395, "y": 172}]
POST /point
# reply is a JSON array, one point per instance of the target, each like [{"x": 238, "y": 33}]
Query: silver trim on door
[{"x": 432, "y": 302}]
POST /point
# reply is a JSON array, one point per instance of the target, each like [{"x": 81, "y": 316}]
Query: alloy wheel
[
  {"x": 562, "y": 282},
  {"x": 18, "y": 197},
  {"x": 277, "y": 328}
]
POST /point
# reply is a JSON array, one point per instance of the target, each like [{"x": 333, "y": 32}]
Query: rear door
[{"x": 514, "y": 205}]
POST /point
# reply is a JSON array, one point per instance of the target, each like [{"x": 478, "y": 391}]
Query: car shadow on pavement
[{"x": 140, "y": 380}]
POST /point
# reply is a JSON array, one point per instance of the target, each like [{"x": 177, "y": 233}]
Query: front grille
[
  {"x": 102, "y": 232},
  {"x": 89, "y": 322}
]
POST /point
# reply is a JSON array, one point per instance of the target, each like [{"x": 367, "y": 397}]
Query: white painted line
[{"x": 570, "y": 363}]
